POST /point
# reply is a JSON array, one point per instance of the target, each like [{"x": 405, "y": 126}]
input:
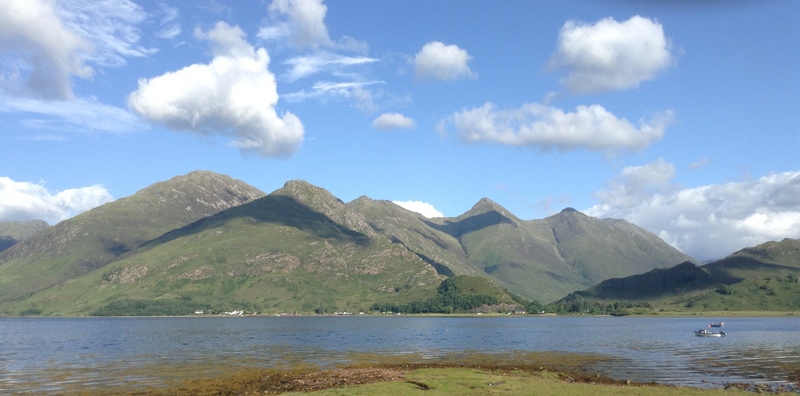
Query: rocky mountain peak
[
  {"x": 203, "y": 191},
  {"x": 322, "y": 201},
  {"x": 486, "y": 205}
]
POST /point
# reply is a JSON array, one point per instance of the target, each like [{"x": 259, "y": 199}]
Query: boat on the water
[
  {"x": 718, "y": 324},
  {"x": 706, "y": 333}
]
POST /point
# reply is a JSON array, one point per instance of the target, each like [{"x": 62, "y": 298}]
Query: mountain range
[{"x": 212, "y": 241}]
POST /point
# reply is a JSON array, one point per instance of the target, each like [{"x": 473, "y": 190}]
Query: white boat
[{"x": 706, "y": 333}]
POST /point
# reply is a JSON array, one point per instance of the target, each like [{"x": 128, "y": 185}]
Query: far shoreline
[{"x": 711, "y": 315}]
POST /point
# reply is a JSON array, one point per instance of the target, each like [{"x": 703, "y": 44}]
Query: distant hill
[
  {"x": 785, "y": 252},
  {"x": 206, "y": 239},
  {"x": 765, "y": 277},
  {"x": 94, "y": 238},
  {"x": 12, "y": 232}
]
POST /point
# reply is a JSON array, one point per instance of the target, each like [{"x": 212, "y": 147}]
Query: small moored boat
[
  {"x": 706, "y": 333},
  {"x": 718, "y": 324}
]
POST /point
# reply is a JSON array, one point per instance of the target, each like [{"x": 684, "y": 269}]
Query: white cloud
[
  {"x": 611, "y": 55},
  {"x": 422, "y": 208},
  {"x": 707, "y": 222},
  {"x": 332, "y": 89},
  {"x": 47, "y": 52},
  {"x": 303, "y": 66},
  {"x": 235, "y": 94},
  {"x": 44, "y": 44},
  {"x": 22, "y": 201},
  {"x": 76, "y": 116},
  {"x": 111, "y": 26},
  {"x": 442, "y": 62},
  {"x": 536, "y": 125},
  {"x": 302, "y": 22},
  {"x": 389, "y": 121},
  {"x": 170, "y": 24}
]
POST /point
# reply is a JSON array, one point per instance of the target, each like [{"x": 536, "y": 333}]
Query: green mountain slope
[
  {"x": 539, "y": 260},
  {"x": 418, "y": 234},
  {"x": 521, "y": 255},
  {"x": 96, "y": 237},
  {"x": 546, "y": 259},
  {"x": 274, "y": 254},
  {"x": 785, "y": 252},
  {"x": 764, "y": 277},
  {"x": 12, "y": 232},
  {"x": 623, "y": 248}
]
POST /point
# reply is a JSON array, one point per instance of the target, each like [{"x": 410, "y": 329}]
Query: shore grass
[
  {"x": 471, "y": 381},
  {"x": 718, "y": 314},
  {"x": 428, "y": 380},
  {"x": 540, "y": 373}
]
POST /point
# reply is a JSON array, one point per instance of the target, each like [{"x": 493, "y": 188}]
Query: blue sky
[{"x": 679, "y": 117}]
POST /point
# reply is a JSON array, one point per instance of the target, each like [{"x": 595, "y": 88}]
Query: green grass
[
  {"x": 468, "y": 381},
  {"x": 404, "y": 380}
]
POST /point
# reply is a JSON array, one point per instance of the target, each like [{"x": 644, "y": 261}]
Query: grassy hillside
[
  {"x": 272, "y": 255},
  {"x": 522, "y": 257},
  {"x": 740, "y": 282},
  {"x": 544, "y": 260},
  {"x": 92, "y": 239},
  {"x": 460, "y": 294},
  {"x": 785, "y": 252},
  {"x": 623, "y": 249}
]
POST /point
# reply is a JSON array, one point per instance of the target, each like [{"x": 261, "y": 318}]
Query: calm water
[{"x": 49, "y": 354}]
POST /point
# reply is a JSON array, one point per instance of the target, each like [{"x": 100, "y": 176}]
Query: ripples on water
[{"x": 50, "y": 354}]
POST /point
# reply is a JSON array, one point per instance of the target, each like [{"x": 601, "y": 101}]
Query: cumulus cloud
[
  {"x": 611, "y": 55},
  {"x": 301, "y": 22},
  {"x": 22, "y": 201},
  {"x": 235, "y": 94},
  {"x": 422, "y": 208},
  {"x": 536, "y": 125},
  {"x": 389, "y": 121},
  {"x": 439, "y": 61},
  {"x": 706, "y": 222}
]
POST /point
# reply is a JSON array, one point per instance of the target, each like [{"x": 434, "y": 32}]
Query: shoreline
[
  {"x": 564, "y": 372},
  {"x": 670, "y": 314},
  {"x": 409, "y": 378}
]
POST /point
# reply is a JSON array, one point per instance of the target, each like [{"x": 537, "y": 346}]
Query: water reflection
[{"x": 49, "y": 354}]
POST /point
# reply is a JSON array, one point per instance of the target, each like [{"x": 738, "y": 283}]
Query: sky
[{"x": 682, "y": 117}]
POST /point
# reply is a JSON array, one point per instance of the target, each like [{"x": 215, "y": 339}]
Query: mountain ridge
[
  {"x": 98, "y": 236},
  {"x": 12, "y": 232},
  {"x": 315, "y": 241},
  {"x": 763, "y": 277}
]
